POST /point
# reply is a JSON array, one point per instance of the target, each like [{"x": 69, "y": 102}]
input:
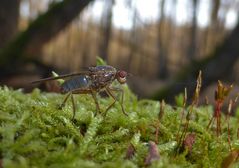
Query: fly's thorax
[
  {"x": 101, "y": 79},
  {"x": 102, "y": 68}
]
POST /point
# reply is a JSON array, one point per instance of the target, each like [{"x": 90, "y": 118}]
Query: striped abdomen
[{"x": 78, "y": 82}]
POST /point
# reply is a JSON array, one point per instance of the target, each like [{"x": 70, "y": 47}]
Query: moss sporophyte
[{"x": 35, "y": 133}]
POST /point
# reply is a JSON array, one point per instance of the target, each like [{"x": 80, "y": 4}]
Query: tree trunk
[
  {"x": 215, "y": 67},
  {"x": 9, "y": 14},
  {"x": 214, "y": 14},
  {"x": 163, "y": 61},
  {"x": 106, "y": 29},
  {"x": 132, "y": 42},
  {"x": 193, "y": 34},
  {"x": 30, "y": 42}
]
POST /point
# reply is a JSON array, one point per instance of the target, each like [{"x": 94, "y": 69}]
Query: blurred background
[{"x": 162, "y": 43}]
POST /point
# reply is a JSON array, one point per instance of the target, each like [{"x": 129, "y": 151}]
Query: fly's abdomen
[{"x": 76, "y": 83}]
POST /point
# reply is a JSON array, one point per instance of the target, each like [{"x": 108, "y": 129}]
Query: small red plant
[
  {"x": 194, "y": 104},
  {"x": 189, "y": 141},
  {"x": 130, "y": 152},
  {"x": 153, "y": 154},
  {"x": 156, "y": 123},
  {"x": 220, "y": 94}
]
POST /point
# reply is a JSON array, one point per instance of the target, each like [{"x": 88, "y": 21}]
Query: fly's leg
[
  {"x": 73, "y": 103},
  {"x": 114, "y": 100},
  {"x": 122, "y": 98},
  {"x": 85, "y": 91},
  {"x": 80, "y": 91},
  {"x": 109, "y": 92},
  {"x": 73, "y": 106},
  {"x": 64, "y": 101},
  {"x": 96, "y": 102}
]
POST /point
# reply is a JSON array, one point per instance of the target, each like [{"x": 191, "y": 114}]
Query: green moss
[{"x": 35, "y": 133}]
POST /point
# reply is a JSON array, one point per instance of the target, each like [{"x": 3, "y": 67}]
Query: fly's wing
[{"x": 61, "y": 77}]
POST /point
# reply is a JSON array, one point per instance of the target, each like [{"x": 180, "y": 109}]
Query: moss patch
[{"x": 35, "y": 133}]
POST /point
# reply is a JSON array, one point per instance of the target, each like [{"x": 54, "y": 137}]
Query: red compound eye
[{"x": 122, "y": 74}]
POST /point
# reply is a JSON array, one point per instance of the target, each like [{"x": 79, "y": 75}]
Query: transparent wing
[{"x": 61, "y": 77}]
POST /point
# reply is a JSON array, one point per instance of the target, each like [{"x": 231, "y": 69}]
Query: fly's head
[{"x": 121, "y": 76}]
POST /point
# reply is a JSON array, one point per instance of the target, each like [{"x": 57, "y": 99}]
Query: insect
[{"x": 92, "y": 81}]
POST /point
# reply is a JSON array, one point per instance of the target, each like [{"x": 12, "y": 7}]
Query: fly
[{"x": 92, "y": 81}]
